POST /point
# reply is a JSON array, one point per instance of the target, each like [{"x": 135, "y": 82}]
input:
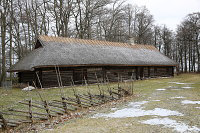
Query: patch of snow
[
  {"x": 177, "y": 126},
  {"x": 29, "y": 88},
  {"x": 156, "y": 100},
  {"x": 190, "y": 102},
  {"x": 180, "y": 97},
  {"x": 137, "y": 104},
  {"x": 160, "y": 89},
  {"x": 197, "y": 107},
  {"x": 135, "y": 110},
  {"x": 178, "y": 83},
  {"x": 187, "y": 87},
  {"x": 113, "y": 108}
]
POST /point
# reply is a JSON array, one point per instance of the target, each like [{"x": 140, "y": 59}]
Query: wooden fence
[{"x": 44, "y": 110}]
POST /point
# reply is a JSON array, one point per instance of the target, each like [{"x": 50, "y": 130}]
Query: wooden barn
[{"x": 78, "y": 60}]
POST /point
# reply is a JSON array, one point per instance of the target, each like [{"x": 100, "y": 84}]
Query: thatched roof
[{"x": 51, "y": 51}]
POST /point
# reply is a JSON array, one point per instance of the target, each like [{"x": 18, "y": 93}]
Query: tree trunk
[{"x": 3, "y": 41}]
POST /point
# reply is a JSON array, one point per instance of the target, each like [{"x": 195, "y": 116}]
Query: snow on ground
[
  {"x": 160, "y": 89},
  {"x": 177, "y": 126},
  {"x": 187, "y": 87},
  {"x": 180, "y": 97},
  {"x": 178, "y": 83},
  {"x": 197, "y": 107},
  {"x": 113, "y": 108},
  {"x": 134, "y": 109},
  {"x": 190, "y": 102},
  {"x": 29, "y": 88},
  {"x": 155, "y": 100}
]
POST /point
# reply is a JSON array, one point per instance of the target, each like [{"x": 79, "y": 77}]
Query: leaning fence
[{"x": 43, "y": 110}]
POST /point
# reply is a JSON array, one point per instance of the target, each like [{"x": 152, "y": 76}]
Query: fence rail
[{"x": 44, "y": 110}]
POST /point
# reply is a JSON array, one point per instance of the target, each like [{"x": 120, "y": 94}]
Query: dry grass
[
  {"x": 146, "y": 91},
  {"x": 143, "y": 89}
]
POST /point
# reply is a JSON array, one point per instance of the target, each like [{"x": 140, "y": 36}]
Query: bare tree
[
  {"x": 4, "y": 6},
  {"x": 143, "y": 26},
  {"x": 188, "y": 35}
]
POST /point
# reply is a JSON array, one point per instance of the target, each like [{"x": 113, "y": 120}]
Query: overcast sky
[{"x": 169, "y": 12}]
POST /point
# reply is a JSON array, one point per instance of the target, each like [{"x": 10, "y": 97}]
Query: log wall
[
  {"x": 115, "y": 74},
  {"x": 49, "y": 76},
  {"x": 26, "y": 77}
]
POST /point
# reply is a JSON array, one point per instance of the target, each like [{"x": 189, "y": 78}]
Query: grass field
[
  {"x": 166, "y": 94},
  {"x": 10, "y": 97},
  {"x": 144, "y": 90}
]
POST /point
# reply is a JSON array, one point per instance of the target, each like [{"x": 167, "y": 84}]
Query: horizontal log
[
  {"x": 91, "y": 101},
  {"x": 11, "y": 121},
  {"x": 37, "y": 113},
  {"x": 36, "y": 106},
  {"x": 43, "y": 104},
  {"x": 9, "y": 124},
  {"x": 61, "y": 106},
  {"x": 61, "y": 103},
  {"x": 6, "y": 113},
  {"x": 83, "y": 103},
  {"x": 20, "y": 120},
  {"x": 77, "y": 105}
]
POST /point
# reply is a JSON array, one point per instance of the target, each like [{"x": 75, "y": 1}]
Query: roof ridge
[{"x": 93, "y": 42}]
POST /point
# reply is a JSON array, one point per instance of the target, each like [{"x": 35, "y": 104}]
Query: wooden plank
[
  {"x": 22, "y": 115},
  {"x": 30, "y": 110},
  {"x": 37, "y": 113},
  {"x": 9, "y": 124},
  {"x": 17, "y": 120},
  {"x": 59, "y": 103},
  {"x": 80, "y": 102},
  {"x": 36, "y": 106},
  {"x": 65, "y": 106},
  {"x": 88, "y": 99}
]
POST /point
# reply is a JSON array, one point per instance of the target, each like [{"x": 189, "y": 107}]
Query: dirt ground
[{"x": 159, "y": 105}]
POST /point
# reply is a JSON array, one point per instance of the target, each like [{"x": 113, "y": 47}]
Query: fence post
[
  {"x": 4, "y": 126},
  {"x": 78, "y": 100},
  {"x": 65, "y": 106},
  {"x": 120, "y": 92},
  {"x": 111, "y": 94},
  {"x": 103, "y": 97},
  {"x": 90, "y": 97},
  {"x": 30, "y": 110},
  {"x": 47, "y": 108},
  {"x": 132, "y": 88}
]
